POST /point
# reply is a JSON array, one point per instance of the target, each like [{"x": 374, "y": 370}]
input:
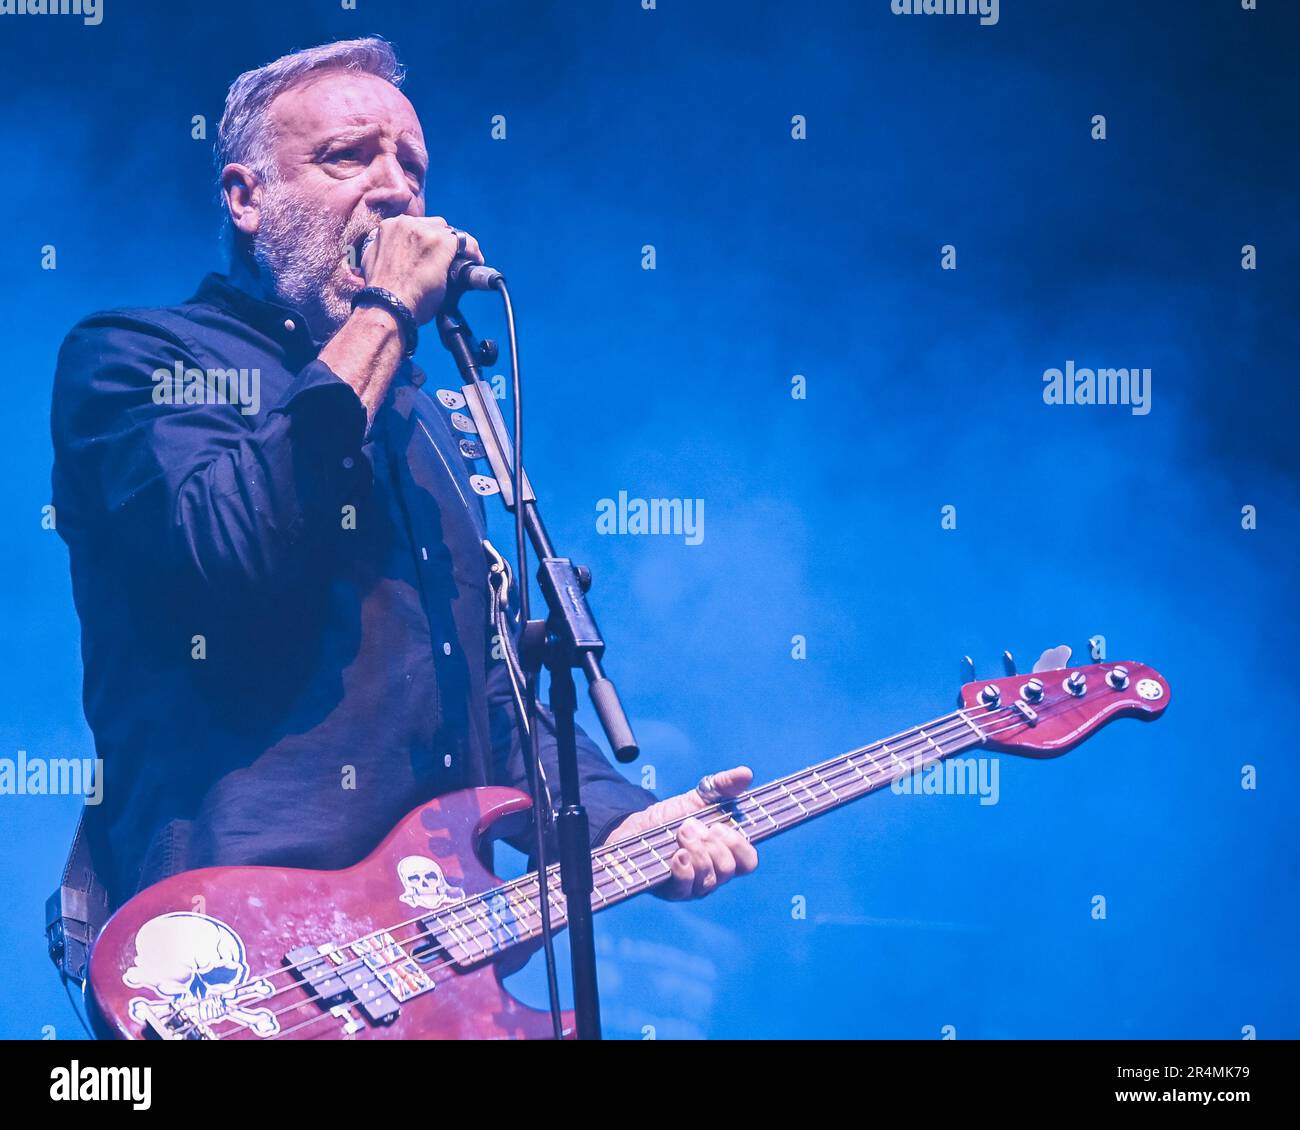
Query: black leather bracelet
[{"x": 378, "y": 296}]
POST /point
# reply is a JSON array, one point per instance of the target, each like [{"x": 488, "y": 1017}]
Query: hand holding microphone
[{"x": 423, "y": 260}]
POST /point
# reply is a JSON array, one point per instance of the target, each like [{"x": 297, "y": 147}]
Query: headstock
[{"x": 1053, "y": 709}]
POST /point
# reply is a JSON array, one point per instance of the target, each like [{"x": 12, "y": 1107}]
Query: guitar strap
[{"x": 76, "y": 911}]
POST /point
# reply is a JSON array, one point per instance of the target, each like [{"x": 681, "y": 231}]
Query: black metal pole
[{"x": 572, "y": 640}]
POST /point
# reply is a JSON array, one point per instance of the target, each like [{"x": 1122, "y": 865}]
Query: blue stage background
[{"x": 778, "y": 257}]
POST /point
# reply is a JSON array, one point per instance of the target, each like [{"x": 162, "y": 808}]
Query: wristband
[{"x": 378, "y": 296}]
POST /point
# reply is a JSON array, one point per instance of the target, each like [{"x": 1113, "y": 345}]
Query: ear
[{"x": 241, "y": 189}]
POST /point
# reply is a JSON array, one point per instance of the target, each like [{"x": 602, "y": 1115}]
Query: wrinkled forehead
[{"x": 334, "y": 102}]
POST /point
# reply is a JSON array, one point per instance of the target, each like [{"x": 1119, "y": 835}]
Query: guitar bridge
[{"x": 163, "y": 1021}]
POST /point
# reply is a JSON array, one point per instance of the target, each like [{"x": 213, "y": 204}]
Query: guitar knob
[
  {"x": 990, "y": 695},
  {"x": 1117, "y": 677},
  {"x": 1077, "y": 684},
  {"x": 1032, "y": 691}
]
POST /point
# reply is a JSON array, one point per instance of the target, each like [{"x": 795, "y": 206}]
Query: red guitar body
[{"x": 212, "y": 935}]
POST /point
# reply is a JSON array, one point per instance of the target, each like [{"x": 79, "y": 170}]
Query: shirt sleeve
[
  {"x": 233, "y": 504},
  {"x": 607, "y": 795}
]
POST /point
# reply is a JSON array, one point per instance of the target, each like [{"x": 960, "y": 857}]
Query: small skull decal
[
  {"x": 424, "y": 884},
  {"x": 196, "y": 965}
]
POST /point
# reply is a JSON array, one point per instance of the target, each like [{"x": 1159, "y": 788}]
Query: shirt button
[
  {"x": 446, "y": 649},
  {"x": 290, "y": 324},
  {"x": 347, "y": 463},
  {"x": 446, "y": 760}
]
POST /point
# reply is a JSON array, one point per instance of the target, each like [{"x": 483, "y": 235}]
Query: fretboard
[{"x": 484, "y": 925}]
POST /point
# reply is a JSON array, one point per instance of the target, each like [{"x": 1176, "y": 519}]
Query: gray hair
[{"x": 244, "y": 136}]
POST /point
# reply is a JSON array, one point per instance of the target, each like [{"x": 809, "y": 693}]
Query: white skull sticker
[
  {"x": 424, "y": 883},
  {"x": 196, "y": 965}
]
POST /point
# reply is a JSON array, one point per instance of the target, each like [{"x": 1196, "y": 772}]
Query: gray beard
[{"x": 298, "y": 251}]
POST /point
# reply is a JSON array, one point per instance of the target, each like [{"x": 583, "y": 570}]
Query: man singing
[{"x": 283, "y": 596}]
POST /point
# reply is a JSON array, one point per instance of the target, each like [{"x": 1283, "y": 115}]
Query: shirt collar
[{"x": 279, "y": 322}]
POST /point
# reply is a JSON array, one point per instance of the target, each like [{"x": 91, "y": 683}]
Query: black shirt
[{"x": 285, "y": 625}]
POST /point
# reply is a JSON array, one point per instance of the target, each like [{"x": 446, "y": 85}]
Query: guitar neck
[{"x": 510, "y": 914}]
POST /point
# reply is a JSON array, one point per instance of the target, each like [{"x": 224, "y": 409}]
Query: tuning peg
[
  {"x": 1010, "y": 661},
  {"x": 450, "y": 399},
  {"x": 1053, "y": 659},
  {"x": 463, "y": 423},
  {"x": 484, "y": 485},
  {"x": 967, "y": 675},
  {"x": 472, "y": 449}
]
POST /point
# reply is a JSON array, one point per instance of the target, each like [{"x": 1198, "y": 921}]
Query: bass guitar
[{"x": 412, "y": 942}]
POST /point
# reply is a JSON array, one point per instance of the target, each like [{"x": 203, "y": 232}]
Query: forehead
[{"x": 335, "y": 100}]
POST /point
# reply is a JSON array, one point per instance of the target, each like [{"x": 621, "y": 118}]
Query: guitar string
[
  {"x": 476, "y": 928},
  {"x": 327, "y": 1015},
  {"x": 951, "y": 724}
]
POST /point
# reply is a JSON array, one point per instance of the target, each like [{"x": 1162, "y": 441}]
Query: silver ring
[
  {"x": 460, "y": 240},
  {"x": 708, "y": 790}
]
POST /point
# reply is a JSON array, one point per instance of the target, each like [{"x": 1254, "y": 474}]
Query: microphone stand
[{"x": 567, "y": 639}]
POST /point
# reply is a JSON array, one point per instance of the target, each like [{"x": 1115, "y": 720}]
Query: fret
[
  {"x": 753, "y": 799},
  {"x": 499, "y": 923},
  {"x": 821, "y": 781},
  {"x": 658, "y": 858},
  {"x": 480, "y": 912},
  {"x": 925, "y": 762},
  {"x": 457, "y": 929},
  {"x": 795, "y": 799},
  {"x": 523, "y": 908},
  {"x": 642, "y": 881},
  {"x": 814, "y": 799},
  {"x": 861, "y": 776},
  {"x": 875, "y": 767},
  {"x": 556, "y": 892},
  {"x": 612, "y": 869},
  {"x": 978, "y": 732},
  {"x": 893, "y": 757}
]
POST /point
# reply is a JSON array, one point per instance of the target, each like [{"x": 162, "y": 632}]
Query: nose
[{"x": 389, "y": 191}]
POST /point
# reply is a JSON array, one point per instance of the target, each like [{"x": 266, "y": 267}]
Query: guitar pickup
[
  {"x": 316, "y": 971},
  {"x": 334, "y": 984},
  {"x": 372, "y": 995}
]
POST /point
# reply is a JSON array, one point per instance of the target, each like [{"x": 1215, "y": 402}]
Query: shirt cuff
[{"x": 337, "y": 416}]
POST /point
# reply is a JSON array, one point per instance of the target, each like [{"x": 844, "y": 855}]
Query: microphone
[{"x": 463, "y": 274}]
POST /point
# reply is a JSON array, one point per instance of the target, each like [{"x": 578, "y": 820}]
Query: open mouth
[{"x": 353, "y": 256}]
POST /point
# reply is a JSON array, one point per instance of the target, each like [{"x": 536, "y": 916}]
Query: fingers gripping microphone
[{"x": 463, "y": 274}]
